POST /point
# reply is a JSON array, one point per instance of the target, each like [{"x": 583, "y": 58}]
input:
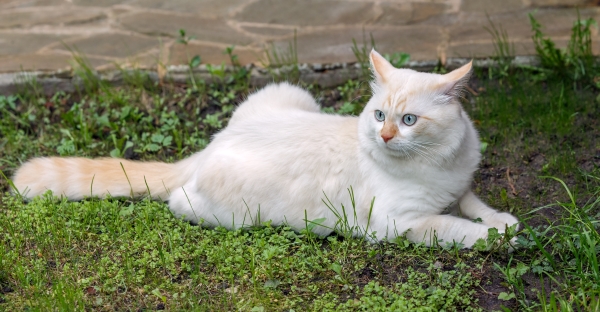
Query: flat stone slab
[
  {"x": 45, "y": 62},
  {"x": 110, "y": 45},
  {"x": 12, "y": 4},
  {"x": 42, "y": 35},
  {"x": 492, "y": 6},
  {"x": 67, "y": 17},
  {"x": 167, "y": 25},
  {"x": 17, "y": 44},
  {"x": 336, "y": 45},
  {"x": 34, "y": 62},
  {"x": 308, "y": 12},
  {"x": 203, "y": 8},
  {"x": 408, "y": 13},
  {"x": 211, "y": 54}
]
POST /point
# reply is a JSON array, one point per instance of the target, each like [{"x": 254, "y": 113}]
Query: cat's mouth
[
  {"x": 407, "y": 149},
  {"x": 395, "y": 149}
]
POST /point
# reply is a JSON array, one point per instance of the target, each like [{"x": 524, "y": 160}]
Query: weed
[
  {"x": 194, "y": 61},
  {"x": 240, "y": 75},
  {"x": 134, "y": 254},
  {"x": 88, "y": 77},
  {"x": 362, "y": 55},
  {"x": 568, "y": 258},
  {"x": 504, "y": 51},
  {"x": 577, "y": 62},
  {"x": 283, "y": 65},
  {"x": 398, "y": 59}
]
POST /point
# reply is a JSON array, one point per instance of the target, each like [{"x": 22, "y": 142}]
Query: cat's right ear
[
  {"x": 455, "y": 81},
  {"x": 380, "y": 66}
]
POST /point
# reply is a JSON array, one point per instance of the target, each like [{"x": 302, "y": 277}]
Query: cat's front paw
[{"x": 501, "y": 220}]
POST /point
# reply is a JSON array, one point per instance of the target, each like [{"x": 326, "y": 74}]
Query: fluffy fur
[{"x": 279, "y": 157}]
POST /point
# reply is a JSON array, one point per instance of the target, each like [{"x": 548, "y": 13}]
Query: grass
[
  {"x": 540, "y": 162},
  {"x": 115, "y": 253}
]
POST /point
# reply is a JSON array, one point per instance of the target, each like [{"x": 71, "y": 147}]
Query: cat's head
[{"x": 414, "y": 114}]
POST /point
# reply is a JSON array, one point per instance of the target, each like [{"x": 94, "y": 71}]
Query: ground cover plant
[{"x": 541, "y": 160}]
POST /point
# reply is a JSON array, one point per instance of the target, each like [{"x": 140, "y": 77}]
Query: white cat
[{"x": 413, "y": 150}]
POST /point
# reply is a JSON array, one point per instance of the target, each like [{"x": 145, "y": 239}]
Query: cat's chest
[{"x": 419, "y": 187}]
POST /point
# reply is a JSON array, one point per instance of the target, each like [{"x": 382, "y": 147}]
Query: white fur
[{"x": 280, "y": 156}]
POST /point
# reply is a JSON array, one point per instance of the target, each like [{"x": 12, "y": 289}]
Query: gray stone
[
  {"x": 111, "y": 45},
  {"x": 31, "y": 62},
  {"x": 410, "y": 13},
  {"x": 100, "y": 3},
  {"x": 267, "y": 31},
  {"x": 11, "y": 83},
  {"x": 421, "y": 42},
  {"x": 15, "y": 44},
  {"x": 333, "y": 46},
  {"x": 395, "y": 14},
  {"x": 308, "y": 12},
  {"x": 471, "y": 27},
  {"x": 562, "y": 3},
  {"x": 205, "y": 29},
  {"x": 145, "y": 61},
  {"x": 206, "y": 8},
  {"x": 425, "y": 10},
  {"x": 488, "y": 49},
  {"x": 111, "y": 32},
  {"x": 555, "y": 23},
  {"x": 180, "y": 54},
  {"x": 41, "y": 62},
  {"x": 491, "y": 6},
  {"x": 11, "y": 4},
  {"x": 559, "y": 21},
  {"x": 50, "y": 16}
]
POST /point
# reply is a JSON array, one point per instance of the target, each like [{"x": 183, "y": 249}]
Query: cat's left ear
[
  {"x": 454, "y": 82},
  {"x": 380, "y": 66}
]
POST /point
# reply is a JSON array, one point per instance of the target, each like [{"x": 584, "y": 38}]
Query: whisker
[{"x": 423, "y": 154}]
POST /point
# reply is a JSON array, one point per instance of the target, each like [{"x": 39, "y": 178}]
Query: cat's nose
[
  {"x": 386, "y": 137},
  {"x": 388, "y": 131}
]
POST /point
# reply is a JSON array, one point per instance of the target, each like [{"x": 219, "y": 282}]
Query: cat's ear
[
  {"x": 454, "y": 82},
  {"x": 380, "y": 66}
]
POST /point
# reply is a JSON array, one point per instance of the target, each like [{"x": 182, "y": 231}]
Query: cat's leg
[
  {"x": 446, "y": 228},
  {"x": 185, "y": 202},
  {"x": 192, "y": 204},
  {"x": 472, "y": 207}
]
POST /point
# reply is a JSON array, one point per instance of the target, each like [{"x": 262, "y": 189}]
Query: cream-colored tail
[{"x": 77, "y": 178}]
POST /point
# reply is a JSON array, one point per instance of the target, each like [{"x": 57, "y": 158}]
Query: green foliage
[
  {"x": 130, "y": 255},
  {"x": 577, "y": 61},
  {"x": 362, "y": 55},
  {"x": 88, "y": 77},
  {"x": 115, "y": 253},
  {"x": 240, "y": 75},
  {"x": 352, "y": 93},
  {"x": 398, "y": 59},
  {"x": 283, "y": 65},
  {"x": 504, "y": 51},
  {"x": 533, "y": 112},
  {"x": 434, "y": 290},
  {"x": 565, "y": 253},
  {"x": 194, "y": 61}
]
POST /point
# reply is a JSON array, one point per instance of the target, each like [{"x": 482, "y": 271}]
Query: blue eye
[
  {"x": 409, "y": 119},
  {"x": 379, "y": 115}
]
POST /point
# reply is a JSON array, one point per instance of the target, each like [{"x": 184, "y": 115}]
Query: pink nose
[{"x": 386, "y": 137}]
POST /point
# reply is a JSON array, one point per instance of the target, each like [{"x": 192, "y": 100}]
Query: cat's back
[
  {"x": 291, "y": 132},
  {"x": 274, "y": 99},
  {"x": 294, "y": 154}
]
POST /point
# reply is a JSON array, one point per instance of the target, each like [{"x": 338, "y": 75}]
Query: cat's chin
[{"x": 396, "y": 152}]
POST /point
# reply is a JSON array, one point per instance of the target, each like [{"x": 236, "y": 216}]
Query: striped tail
[{"x": 77, "y": 178}]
